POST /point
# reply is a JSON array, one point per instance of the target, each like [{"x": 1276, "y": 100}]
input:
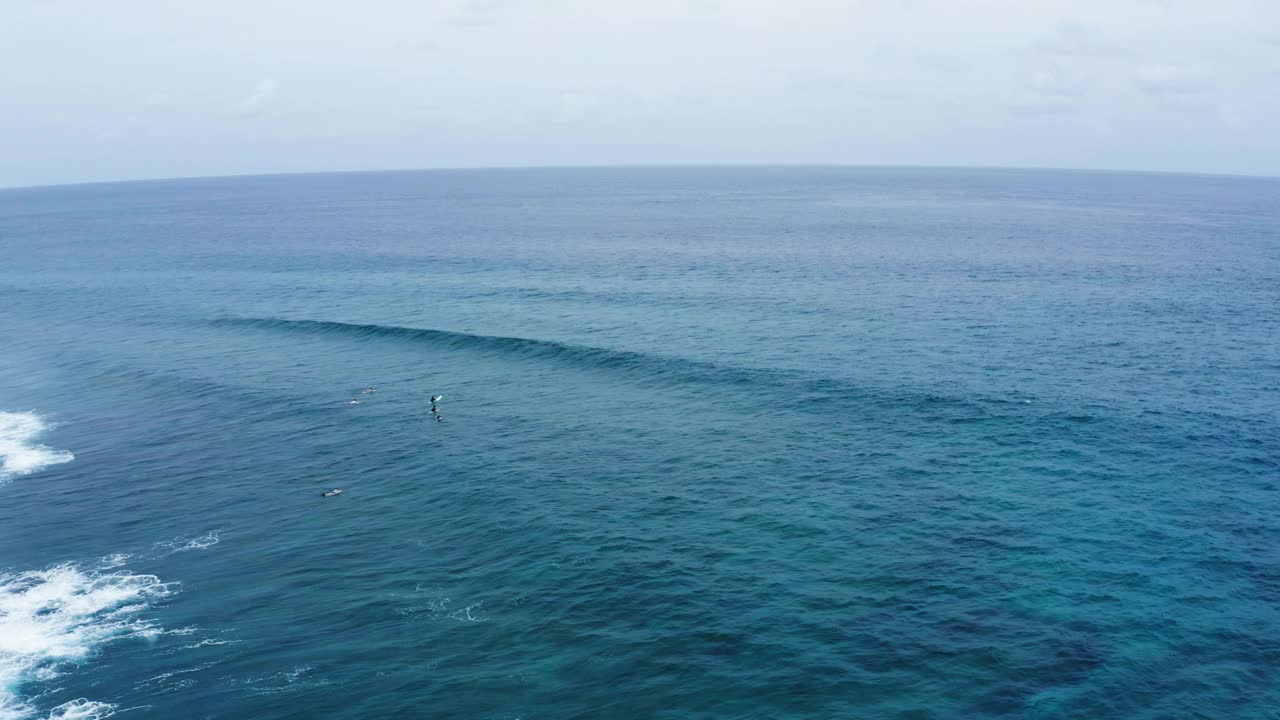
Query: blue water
[{"x": 718, "y": 443}]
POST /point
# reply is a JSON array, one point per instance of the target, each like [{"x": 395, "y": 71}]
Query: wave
[
  {"x": 582, "y": 356},
  {"x": 806, "y": 392},
  {"x": 152, "y": 384},
  {"x": 19, "y": 454},
  {"x": 60, "y": 616}
]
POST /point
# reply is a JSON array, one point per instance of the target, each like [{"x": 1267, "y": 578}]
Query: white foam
[
  {"x": 465, "y": 615},
  {"x": 283, "y": 682},
  {"x": 159, "y": 680},
  {"x": 60, "y": 616},
  {"x": 82, "y": 709},
  {"x": 113, "y": 560},
  {"x": 19, "y": 454},
  {"x": 187, "y": 544},
  {"x": 209, "y": 641}
]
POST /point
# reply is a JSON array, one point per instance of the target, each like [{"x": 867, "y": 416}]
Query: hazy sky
[{"x": 135, "y": 88}]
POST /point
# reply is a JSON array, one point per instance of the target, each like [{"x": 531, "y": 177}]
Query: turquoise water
[{"x": 718, "y": 443}]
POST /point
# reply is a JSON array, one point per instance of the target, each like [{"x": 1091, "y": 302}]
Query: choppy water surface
[{"x": 718, "y": 443}]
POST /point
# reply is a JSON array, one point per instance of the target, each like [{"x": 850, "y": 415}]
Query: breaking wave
[
  {"x": 19, "y": 453},
  {"x": 61, "y": 616}
]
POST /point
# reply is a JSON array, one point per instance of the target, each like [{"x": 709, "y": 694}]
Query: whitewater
[
  {"x": 19, "y": 453},
  {"x": 54, "y": 619}
]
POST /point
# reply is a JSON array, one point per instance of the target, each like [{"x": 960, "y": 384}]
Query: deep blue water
[{"x": 719, "y": 443}]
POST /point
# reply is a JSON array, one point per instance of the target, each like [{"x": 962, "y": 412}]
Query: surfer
[
  {"x": 354, "y": 402},
  {"x": 370, "y": 390},
  {"x": 435, "y": 398},
  {"x": 331, "y": 493}
]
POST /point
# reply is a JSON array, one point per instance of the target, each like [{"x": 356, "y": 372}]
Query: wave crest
[
  {"x": 19, "y": 454},
  {"x": 651, "y": 366},
  {"x": 62, "y": 615}
]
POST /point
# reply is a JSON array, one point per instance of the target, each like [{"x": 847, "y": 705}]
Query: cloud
[
  {"x": 1053, "y": 89},
  {"x": 576, "y": 105},
  {"x": 1170, "y": 80},
  {"x": 819, "y": 83},
  {"x": 930, "y": 59},
  {"x": 257, "y": 100},
  {"x": 806, "y": 80},
  {"x": 1188, "y": 104},
  {"x": 483, "y": 13},
  {"x": 1041, "y": 107},
  {"x": 158, "y": 100},
  {"x": 1079, "y": 41},
  {"x": 942, "y": 61},
  {"x": 1053, "y": 82}
]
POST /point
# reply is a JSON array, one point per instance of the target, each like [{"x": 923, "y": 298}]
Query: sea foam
[
  {"x": 82, "y": 709},
  {"x": 59, "y": 616},
  {"x": 187, "y": 544},
  {"x": 19, "y": 453}
]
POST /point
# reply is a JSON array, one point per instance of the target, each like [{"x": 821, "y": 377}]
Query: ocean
[{"x": 717, "y": 443}]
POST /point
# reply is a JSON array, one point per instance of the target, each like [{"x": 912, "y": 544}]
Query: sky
[{"x": 133, "y": 89}]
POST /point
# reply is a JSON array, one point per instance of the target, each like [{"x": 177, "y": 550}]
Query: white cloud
[
  {"x": 484, "y": 13},
  {"x": 1170, "y": 79},
  {"x": 1042, "y": 106},
  {"x": 576, "y": 105},
  {"x": 257, "y": 100},
  {"x": 1079, "y": 41},
  {"x": 158, "y": 100}
]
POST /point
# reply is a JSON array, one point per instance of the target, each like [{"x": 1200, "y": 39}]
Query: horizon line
[{"x": 639, "y": 166}]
